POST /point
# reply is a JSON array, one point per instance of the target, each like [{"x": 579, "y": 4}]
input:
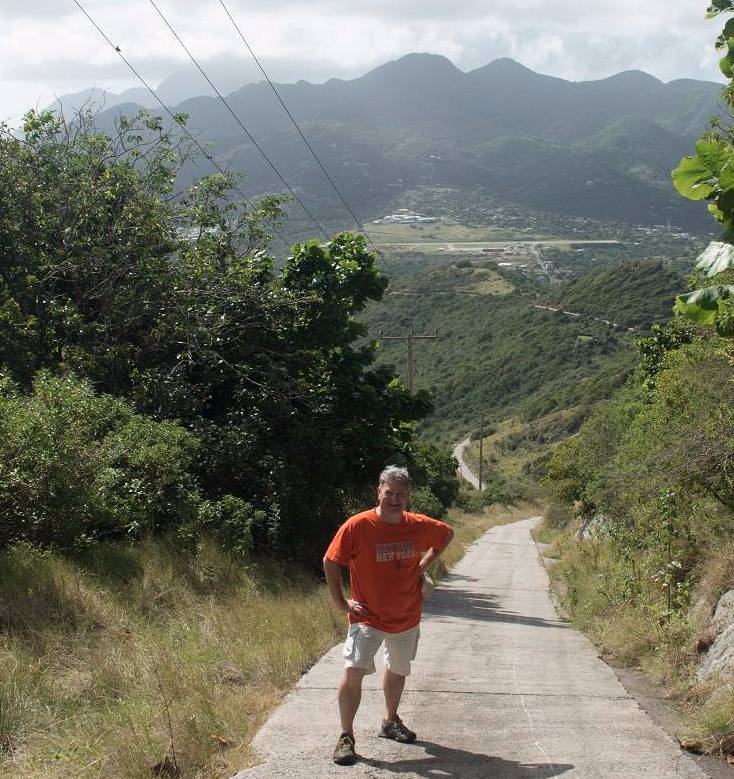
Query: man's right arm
[{"x": 334, "y": 580}]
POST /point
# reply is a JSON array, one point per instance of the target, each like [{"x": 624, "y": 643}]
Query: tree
[
  {"x": 85, "y": 237},
  {"x": 170, "y": 299}
]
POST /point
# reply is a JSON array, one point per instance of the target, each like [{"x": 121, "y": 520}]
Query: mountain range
[{"x": 601, "y": 149}]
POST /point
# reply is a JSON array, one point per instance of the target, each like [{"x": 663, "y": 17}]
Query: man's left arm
[{"x": 433, "y": 553}]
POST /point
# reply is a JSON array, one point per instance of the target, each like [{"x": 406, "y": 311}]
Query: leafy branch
[{"x": 709, "y": 175}]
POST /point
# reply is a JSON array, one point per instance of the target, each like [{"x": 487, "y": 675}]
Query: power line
[
  {"x": 239, "y": 121},
  {"x": 295, "y": 124},
  {"x": 186, "y": 131},
  {"x": 190, "y": 135}
]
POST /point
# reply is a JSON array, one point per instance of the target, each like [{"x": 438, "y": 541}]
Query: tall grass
[
  {"x": 124, "y": 657},
  {"x": 117, "y": 660},
  {"x": 625, "y": 615}
]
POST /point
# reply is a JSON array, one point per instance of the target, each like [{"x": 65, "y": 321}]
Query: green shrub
[
  {"x": 145, "y": 482},
  {"x": 231, "y": 521},
  {"x": 75, "y": 466},
  {"x": 469, "y": 500},
  {"x": 496, "y": 489},
  {"x": 424, "y": 501},
  {"x": 499, "y": 489}
]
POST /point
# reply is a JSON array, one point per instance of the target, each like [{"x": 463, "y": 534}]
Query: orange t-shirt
[{"x": 383, "y": 565}]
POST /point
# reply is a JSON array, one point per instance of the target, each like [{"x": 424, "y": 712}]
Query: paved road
[
  {"x": 464, "y": 470},
  {"x": 576, "y": 315},
  {"x": 478, "y": 246},
  {"x": 501, "y": 689}
]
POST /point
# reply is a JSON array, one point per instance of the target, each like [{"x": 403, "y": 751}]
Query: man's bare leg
[
  {"x": 350, "y": 695},
  {"x": 392, "y": 686}
]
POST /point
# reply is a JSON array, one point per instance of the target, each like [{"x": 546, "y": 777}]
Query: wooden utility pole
[
  {"x": 481, "y": 440},
  {"x": 409, "y": 338}
]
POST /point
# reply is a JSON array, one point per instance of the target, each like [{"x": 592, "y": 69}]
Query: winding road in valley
[
  {"x": 502, "y": 688},
  {"x": 464, "y": 471}
]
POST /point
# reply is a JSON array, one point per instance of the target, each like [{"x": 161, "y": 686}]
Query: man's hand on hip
[{"x": 357, "y": 608}]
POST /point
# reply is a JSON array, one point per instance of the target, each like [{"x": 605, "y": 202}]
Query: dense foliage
[
  {"x": 263, "y": 403},
  {"x": 650, "y": 472},
  {"x": 76, "y": 466}
]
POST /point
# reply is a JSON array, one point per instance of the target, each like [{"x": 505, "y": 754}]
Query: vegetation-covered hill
[
  {"x": 634, "y": 294},
  {"x": 647, "y": 481},
  {"x": 602, "y": 148},
  {"x": 642, "y": 498}
]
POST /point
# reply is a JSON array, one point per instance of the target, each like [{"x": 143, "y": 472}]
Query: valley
[
  {"x": 226, "y": 309},
  {"x": 535, "y": 323}
]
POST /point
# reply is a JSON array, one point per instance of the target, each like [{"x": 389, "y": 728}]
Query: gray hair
[{"x": 395, "y": 473}]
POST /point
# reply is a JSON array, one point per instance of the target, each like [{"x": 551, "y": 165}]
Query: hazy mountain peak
[
  {"x": 227, "y": 73},
  {"x": 636, "y": 78},
  {"x": 416, "y": 65},
  {"x": 506, "y": 65},
  {"x": 98, "y": 99},
  {"x": 425, "y": 58},
  {"x": 510, "y": 72}
]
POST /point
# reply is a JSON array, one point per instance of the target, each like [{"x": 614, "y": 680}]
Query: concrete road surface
[
  {"x": 464, "y": 471},
  {"x": 501, "y": 689}
]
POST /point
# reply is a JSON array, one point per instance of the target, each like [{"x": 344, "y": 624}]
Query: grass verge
[{"x": 128, "y": 658}]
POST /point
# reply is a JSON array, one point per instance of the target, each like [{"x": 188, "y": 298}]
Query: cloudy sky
[{"x": 49, "y": 48}]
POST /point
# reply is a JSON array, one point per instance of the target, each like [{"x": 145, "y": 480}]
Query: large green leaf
[
  {"x": 713, "y": 152},
  {"x": 693, "y": 179},
  {"x": 715, "y": 258},
  {"x": 702, "y": 305}
]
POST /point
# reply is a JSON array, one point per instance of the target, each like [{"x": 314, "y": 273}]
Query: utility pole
[
  {"x": 481, "y": 439},
  {"x": 409, "y": 338}
]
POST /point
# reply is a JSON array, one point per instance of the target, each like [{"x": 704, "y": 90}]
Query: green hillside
[
  {"x": 635, "y": 294},
  {"x": 499, "y": 353}
]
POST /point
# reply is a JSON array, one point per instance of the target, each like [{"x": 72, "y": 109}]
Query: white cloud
[{"x": 51, "y": 48}]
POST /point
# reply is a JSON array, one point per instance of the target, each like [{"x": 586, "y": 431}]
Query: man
[{"x": 387, "y": 550}]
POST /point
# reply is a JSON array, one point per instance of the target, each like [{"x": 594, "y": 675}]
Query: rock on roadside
[{"x": 719, "y": 659}]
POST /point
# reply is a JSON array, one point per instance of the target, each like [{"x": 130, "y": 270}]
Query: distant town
[{"x": 405, "y": 217}]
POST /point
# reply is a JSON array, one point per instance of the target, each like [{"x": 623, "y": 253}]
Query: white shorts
[{"x": 363, "y": 642}]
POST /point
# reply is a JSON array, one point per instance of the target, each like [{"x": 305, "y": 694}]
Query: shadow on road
[
  {"x": 455, "y": 601},
  {"x": 439, "y": 761}
]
